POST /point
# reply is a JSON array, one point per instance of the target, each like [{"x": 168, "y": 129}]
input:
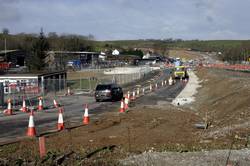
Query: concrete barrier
[{"x": 130, "y": 70}]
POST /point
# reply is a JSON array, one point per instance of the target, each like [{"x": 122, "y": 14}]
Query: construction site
[{"x": 200, "y": 120}]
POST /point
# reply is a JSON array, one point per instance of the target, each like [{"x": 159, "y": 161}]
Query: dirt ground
[
  {"x": 73, "y": 75},
  {"x": 184, "y": 54},
  {"x": 222, "y": 101},
  {"x": 223, "y": 98}
]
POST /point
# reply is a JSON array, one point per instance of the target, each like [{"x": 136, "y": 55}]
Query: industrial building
[{"x": 34, "y": 83}]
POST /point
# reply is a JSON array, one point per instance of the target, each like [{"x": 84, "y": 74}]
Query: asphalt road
[{"x": 15, "y": 126}]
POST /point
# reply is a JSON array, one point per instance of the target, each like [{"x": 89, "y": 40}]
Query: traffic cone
[
  {"x": 126, "y": 102},
  {"x": 128, "y": 95},
  {"x": 170, "y": 81},
  {"x": 31, "y": 132},
  {"x": 69, "y": 91},
  {"x": 60, "y": 123},
  {"x": 9, "y": 108},
  {"x": 24, "y": 108},
  {"x": 138, "y": 92},
  {"x": 122, "y": 106},
  {"x": 133, "y": 95},
  {"x": 40, "y": 105},
  {"x": 86, "y": 115},
  {"x": 150, "y": 87},
  {"x": 55, "y": 103}
]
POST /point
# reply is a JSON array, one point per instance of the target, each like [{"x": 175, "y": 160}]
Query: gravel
[
  {"x": 205, "y": 158},
  {"x": 187, "y": 94}
]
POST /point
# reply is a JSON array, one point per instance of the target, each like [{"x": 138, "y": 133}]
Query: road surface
[{"x": 15, "y": 126}]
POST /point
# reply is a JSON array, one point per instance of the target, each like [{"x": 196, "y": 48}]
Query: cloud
[
  {"x": 9, "y": 13},
  {"x": 129, "y": 19}
]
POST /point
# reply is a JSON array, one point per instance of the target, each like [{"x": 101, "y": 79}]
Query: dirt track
[{"x": 223, "y": 98}]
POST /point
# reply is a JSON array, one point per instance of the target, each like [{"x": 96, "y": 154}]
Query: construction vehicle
[{"x": 180, "y": 72}]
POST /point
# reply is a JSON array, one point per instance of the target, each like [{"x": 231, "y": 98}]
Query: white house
[
  {"x": 115, "y": 52},
  {"x": 147, "y": 56}
]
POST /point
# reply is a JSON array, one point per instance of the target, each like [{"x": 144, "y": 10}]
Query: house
[{"x": 115, "y": 52}]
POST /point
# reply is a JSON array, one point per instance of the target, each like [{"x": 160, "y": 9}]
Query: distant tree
[
  {"x": 5, "y": 31},
  {"x": 52, "y": 35},
  {"x": 38, "y": 53},
  {"x": 138, "y": 53},
  {"x": 91, "y": 37}
]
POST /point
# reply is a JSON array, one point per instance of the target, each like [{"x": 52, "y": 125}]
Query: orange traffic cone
[
  {"x": 40, "y": 105},
  {"x": 128, "y": 95},
  {"x": 133, "y": 95},
  {"x": 60, "y": 123},
  {"x": 9, "y": 110},
  {"x": 126, "y": 102},
  {"x": 170, "y": 81},
  {"x": 69, "y": 91},
  {"x": 138, "y": 92},
  {"x": 24, "y": 108},
  {"x": 86, "y": 115},
  {"x": 31, "y": 128},
  {"x": 122, "y": 106},
  {"x": 55, "y": 103}
]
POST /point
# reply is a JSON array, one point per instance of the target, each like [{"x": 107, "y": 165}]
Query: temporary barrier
[
  {"x": 60, "y": 124},
  {"x": 122, "y": 106},
  {"x": 9, "y": 110},
  {"x": 31, "y": 132},
  {"x": 40, "y": 104},
  {"x": 24, "y": 108},
  {"x": 86, "y": 115}
]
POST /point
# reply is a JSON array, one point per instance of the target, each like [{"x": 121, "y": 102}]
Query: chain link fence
[
  {"x": 50, "y": 89},
  {"x": 89, "y": 84}
]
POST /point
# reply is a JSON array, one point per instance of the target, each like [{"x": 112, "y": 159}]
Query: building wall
[{"x": 44, "y": 83}]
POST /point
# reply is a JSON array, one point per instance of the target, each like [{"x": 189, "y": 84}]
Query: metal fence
[
  {"x": 52, "y": 88},
  {"x": 91, "y": 82}
]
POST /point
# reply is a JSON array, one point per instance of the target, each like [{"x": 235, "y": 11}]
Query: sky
[{"x": 130, "y": 19}]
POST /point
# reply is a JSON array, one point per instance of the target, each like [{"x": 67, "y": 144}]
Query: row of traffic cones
[
  {"x": 125, "y": 102},
  {"x": 24, "y": 108},
  {"x": 31, "y": 132}
]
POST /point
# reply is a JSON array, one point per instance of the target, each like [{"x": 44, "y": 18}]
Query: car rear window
[{"x": 103, "y": 87}]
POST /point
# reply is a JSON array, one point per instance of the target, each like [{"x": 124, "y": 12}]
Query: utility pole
[{"x": 5, "y": 49}]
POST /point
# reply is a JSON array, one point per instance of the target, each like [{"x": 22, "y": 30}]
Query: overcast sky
[{"x": 130, "y": 19}]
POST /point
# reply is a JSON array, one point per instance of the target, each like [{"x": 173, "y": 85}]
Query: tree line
[
  {"x": 232, "y": 51},
  {"x": 35, "y": 45}
]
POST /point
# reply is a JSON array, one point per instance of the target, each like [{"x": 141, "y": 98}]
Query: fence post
[
  {"x": 89, "y": 84},
  {"x": 2, "y": 94},
  {"x": 42, "y": 147}
]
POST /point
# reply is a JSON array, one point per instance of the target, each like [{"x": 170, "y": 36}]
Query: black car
[{"x": 108, "y": 92}]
